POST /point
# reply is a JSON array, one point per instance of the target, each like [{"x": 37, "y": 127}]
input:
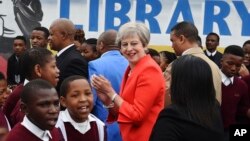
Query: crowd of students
[{"x": 114, "y": 88}]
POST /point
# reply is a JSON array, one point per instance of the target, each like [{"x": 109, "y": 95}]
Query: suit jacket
[
  {"x": 14, "y": 70},
  {"x": 175, "y": 124},
  {"x": 216, "y": 58},
  {"x": 143, "y": 92},
  {"x": 111, "y": 65},
  {"x": 71, "y": 62},
  {"x": 198, "y": 52}
]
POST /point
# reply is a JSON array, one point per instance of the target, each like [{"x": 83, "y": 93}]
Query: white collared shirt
[
  {"x": 225, "y": 80},
  {"x": 211, "y": 53},
  {"x": 64, "y": 116},
  {"x": 26, "y": 81},
  {"x": 82, "y": 127},
  {"x": 61, "y": 51},
  {"x": 41, "y": 134}
]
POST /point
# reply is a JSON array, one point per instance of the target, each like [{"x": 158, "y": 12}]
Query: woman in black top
[{"x": 194, "y": 113}]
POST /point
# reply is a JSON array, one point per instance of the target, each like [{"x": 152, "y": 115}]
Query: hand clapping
[{"x": 103, "y": 88}]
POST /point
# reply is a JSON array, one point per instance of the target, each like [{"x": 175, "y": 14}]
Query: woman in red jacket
[{"x": 143, "y": 88}]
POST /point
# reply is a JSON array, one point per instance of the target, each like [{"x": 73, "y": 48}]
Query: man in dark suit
[
  {"x": 68, "y": 59},
  {"x": 212, "y": 41},
  {"x": 14, "y": 75}
]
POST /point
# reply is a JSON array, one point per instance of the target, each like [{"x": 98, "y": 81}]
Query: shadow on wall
[{"x": 27, "y": 14}]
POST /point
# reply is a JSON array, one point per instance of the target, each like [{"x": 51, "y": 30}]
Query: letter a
[{"x": 237, "y": 132}]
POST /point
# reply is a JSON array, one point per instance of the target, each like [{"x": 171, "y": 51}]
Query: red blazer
[{"x": 143, "y": 92}]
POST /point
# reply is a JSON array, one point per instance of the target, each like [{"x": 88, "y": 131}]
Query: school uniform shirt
[
  {"x": 4, "y": 121},
  {"x": 235, "y": 100},
  {"x": 17, "y": 115},
  {"x": 92, "y": 129},
  {"x": 27, "y": 131},
  {"x": 247, "y": 80},
  {"x": 245, "y": 120},
  {"x": 12, "y": 108},
  {"x": 11, "y": 102}
]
